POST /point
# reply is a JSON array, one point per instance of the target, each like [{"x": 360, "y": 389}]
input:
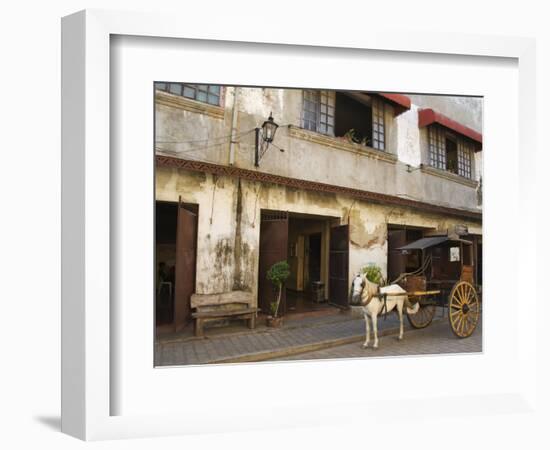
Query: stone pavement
[
  {"x": 319, "y": 337},
  {"x": 435, "y": 339},
  {"x": 244, "y": 345}
]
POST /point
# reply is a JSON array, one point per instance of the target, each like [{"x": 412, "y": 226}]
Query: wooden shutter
[
  {"x": 186, "y": 255},
  {"x": 273, "y": 248},
  {"x": 339, "y": 266}
]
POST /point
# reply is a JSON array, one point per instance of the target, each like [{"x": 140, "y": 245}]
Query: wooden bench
[{"x": 213, "y": 307}]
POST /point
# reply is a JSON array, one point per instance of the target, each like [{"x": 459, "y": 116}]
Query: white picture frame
[{"x": 88, "y": 325}]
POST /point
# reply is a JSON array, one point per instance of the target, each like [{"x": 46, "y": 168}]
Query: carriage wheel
[
  {"x": 423, "y": 317},
  {"x": 463, "y": 309}
]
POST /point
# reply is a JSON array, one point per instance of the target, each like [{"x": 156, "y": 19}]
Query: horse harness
[{"x": 384, "y": 297}]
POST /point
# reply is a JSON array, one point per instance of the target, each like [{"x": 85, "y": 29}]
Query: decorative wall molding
[
  {"x": 340, "y": 144},
  {"x": 187, "y": 104},
  {"x": 448, "y": 176},
  {"x": 252, "y": 175}
]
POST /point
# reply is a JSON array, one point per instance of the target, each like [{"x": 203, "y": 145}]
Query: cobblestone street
[
  {"x": 435, "y": 339},
  {"x": 338, "y": 336}
]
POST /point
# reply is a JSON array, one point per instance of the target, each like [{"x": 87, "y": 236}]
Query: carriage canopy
[{"x": 427, "y": 242}]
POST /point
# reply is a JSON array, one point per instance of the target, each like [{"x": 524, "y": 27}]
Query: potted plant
[
  {"x": 277, "y": 274},
  {"x": 374, "y": 274}
]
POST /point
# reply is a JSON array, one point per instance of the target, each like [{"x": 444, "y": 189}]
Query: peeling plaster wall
[
  {"x": 216, "y": 225},
  {"x": 229, "y": 215},
  {"x": 222, "y": 268},
  {"x": 408, "y": 137},
  {"x": 194, "y": 135},
  {"x": 466, "y": 110}
]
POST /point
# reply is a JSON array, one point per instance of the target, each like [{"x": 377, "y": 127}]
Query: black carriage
[{"x": 445, "y": 278}]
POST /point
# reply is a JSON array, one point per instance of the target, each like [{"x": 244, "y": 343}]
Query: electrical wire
[
  {"x": 230, "y": 136},
  {"x": 195, "y": 149}
]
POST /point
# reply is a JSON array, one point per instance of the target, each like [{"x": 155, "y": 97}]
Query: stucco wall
[
  {"x": 228, "y": 243},
  {"x": 466, "y": 110},
  {"x": 306, "y": 155}
]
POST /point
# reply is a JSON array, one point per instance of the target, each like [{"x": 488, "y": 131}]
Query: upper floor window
[
  {"x": 378, "y": 124},
  {"x": 206, "y": 93},
  {"x": 358, "y": 117},
  {"x": 318, "y": 111},
  {"x": 465, "y": 152},
  {"x": 449, "y": 152}
]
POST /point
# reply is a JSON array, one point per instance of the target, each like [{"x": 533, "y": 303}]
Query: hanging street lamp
[
  {"x": 269, "y": 128},
  {"x": 264, "y": 136}
]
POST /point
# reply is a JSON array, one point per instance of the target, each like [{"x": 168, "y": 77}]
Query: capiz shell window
[
  {"x": 318, "y": 111},
  {"x": 437, "y": 147},
  {"x": 465, "y": 159},
  {"x": 450, "y": 152},
  {"x": 205, "y": 93},
  {"x": 378, "y": 124}
]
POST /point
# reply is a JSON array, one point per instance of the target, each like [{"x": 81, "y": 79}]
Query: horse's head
[
  {"x": 357, "y": 286},
  {"x": 362, "y": 290}
]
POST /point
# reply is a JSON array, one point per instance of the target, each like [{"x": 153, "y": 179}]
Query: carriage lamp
[{"x": 264, "y": 136}]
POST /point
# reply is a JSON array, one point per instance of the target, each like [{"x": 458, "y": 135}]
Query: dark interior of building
[
  {"x": 350, "y": 113},
  {"x": 165, "y": 255},
  {"x": 314, "y": 266},
  {"x": 306, "y": 287},
  {"x": 452, "y": 155}
]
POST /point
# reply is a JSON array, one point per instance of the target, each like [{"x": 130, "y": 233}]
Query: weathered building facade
[{"x": 349, "y": 177}]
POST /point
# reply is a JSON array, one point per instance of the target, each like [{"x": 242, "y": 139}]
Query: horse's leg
[
  {"x": 374, "y": 319},
  {"x": 399, "y": 307},
  {"x": 367, "y": 330}
]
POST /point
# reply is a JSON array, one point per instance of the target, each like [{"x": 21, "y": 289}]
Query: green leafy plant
[
  {"x": 373, "y": 274},
  {"x": 353, "y": 136},
  {"x": 273, "y": 308},
  {"x": 277, "y": 274}
]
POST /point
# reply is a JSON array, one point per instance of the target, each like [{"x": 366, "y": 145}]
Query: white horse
[{"x": 365, "y": 293}]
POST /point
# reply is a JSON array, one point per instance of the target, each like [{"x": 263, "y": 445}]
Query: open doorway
[
  {"x": 314, "y": 252},
  {"x": 308, "y": 259},
  {"x": 166, "y": 215},
  {"x": 175, "y": 264},
  {"x": 317, "y": 251}
]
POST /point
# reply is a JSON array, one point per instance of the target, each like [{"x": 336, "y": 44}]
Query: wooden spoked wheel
[
  {"x": 423, "y": 317},
  {"x": 464, "y": 309}
]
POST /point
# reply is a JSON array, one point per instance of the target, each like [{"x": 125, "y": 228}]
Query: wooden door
[
  {"x": 185, "y": 270},
  {"x": 339, "y": 266},
  {"x": 397, "y": 262},
  {"x": 273, "y": 248},
  {"x": 301, "y": 256}
]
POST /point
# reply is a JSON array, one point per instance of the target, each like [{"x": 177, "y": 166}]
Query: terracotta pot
[{"x": 274, "y": 322}]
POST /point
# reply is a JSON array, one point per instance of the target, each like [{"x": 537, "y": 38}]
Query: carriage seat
[
  {"x": 226, "y": 305},
  {"x": 467, "y": 274}
]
